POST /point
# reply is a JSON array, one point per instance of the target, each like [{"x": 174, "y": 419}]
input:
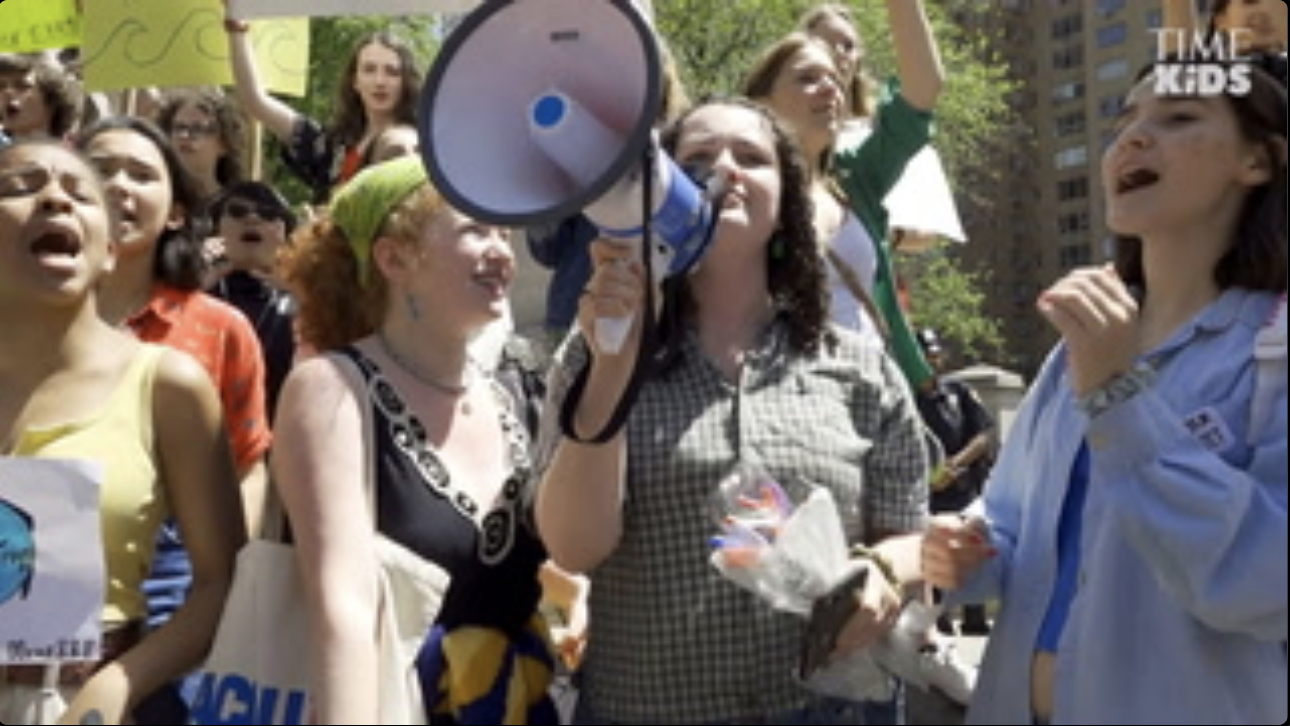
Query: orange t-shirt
[{"x": 223, "y": 341}]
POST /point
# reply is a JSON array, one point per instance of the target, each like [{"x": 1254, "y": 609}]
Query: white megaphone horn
[{"x": 536, "y": 110}]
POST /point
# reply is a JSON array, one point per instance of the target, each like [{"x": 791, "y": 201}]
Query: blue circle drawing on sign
[{"x": 17, "y": 552}]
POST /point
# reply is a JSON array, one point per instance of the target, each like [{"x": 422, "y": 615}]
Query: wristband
[
  {"x": 236, "y": 26},
  {"x": 1117, "y": 390},
  {"x": 881, "y": 562}
]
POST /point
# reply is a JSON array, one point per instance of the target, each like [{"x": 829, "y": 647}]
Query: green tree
[
  {"x": 946, "y": 297},
  {"x": 716, "y": 43}
]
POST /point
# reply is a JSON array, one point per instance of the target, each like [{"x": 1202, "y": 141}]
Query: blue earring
[{"x": 413, "y": 305}]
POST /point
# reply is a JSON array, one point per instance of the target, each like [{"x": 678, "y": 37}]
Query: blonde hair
[{"x": 860, "y": 86}]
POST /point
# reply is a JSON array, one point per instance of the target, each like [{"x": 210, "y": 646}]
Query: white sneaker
[{"x": 942, "y": 669}]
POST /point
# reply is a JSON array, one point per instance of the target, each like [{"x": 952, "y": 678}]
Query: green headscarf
[{"x": 362, "y": 205}]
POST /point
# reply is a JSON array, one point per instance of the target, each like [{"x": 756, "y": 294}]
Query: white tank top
[{"x": 855, "y": 248}]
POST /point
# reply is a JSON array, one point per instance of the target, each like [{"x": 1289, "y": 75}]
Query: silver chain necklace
[{"x": 451, "y": 390}]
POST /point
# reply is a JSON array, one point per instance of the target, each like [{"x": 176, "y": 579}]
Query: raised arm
[
  {"x": 918, "y": 60},
  {"x": 273, "y": 114}
]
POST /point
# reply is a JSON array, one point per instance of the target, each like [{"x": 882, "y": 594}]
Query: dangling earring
[
  {"x": 777, "y": 250},
  {"x": 413, "y": 305}
]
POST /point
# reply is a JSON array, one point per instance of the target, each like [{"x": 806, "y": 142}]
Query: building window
[
  {"x": 1067, "y": 58},
  {"x": 1112, "y": 35},
  {"x": 1076, "y": 188},
  {"x": 1069, "y": 123},
  {"x": 1113, "y": 69},
  {"x": 1072, "y": 223},
  {"x": 1109, "y": 106},
  {"x": 1068, "y": 91},
  {"x": 1107, "y": 8},
  {"x": 1067, "y": 26},
  {"x": 1072, "y": 256},
  {"x": 1072, "y": 156}
]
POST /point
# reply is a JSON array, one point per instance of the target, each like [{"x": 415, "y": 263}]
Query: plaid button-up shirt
[{"x": 671, "y": 640}]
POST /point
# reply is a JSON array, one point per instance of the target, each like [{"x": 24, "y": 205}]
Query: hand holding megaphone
[
  {"x": 679, "y": 223},
  {"x": 614, "y": 295}
]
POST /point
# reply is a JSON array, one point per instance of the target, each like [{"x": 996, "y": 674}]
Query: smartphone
[{"x": 829, "y": 614}]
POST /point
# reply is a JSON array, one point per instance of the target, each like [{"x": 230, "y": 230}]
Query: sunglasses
[
  {"x": 192, "y": 131},
  {"x": 240, "y": 209}
]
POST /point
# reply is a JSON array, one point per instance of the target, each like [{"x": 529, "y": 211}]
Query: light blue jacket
[{"x": 1181, "y": 608}]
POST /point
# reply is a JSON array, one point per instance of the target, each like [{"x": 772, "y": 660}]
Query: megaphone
[{"x": 536, "y": 110}]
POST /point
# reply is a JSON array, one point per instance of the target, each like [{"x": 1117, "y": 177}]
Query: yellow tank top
[{"x": 118, "y": 437}]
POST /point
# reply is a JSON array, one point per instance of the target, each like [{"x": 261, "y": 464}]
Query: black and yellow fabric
[
  {"x": 489, "y": 634},
  {"x": 476, "y": 675}
]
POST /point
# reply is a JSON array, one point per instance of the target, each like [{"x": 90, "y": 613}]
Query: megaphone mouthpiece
[{"x": 573, "y": 138}]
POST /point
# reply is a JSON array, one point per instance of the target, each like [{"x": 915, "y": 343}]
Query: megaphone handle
[
  {"x": 646, "y": 342},
  {"x": 611, "y": 333}
]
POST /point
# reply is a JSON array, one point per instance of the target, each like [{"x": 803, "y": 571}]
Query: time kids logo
[{"x": 1199, "y": 63}]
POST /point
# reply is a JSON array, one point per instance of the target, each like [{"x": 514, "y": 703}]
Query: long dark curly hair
[{"x": 795, "y": 269}]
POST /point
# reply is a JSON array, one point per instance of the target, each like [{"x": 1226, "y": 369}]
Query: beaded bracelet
[
  {"x": 880, "y": 562},
  {"x": 1117, "y": 390}
]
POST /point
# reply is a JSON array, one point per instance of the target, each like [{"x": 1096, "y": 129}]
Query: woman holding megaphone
[{"x": 746, "y": 371}]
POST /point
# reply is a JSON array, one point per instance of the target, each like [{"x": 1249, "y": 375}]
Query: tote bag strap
[
  {"x": 851, "y": 279},
  {"x": 358, "y": 384},
  {"x": 276, "y": 526}
]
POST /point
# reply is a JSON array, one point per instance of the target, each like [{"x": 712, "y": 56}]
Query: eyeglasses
[
  {"x": 240, "y": 209},
  {"x": 193, "y": 131}
]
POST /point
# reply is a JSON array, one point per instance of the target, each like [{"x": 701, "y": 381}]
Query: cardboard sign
[
  {"x": 27, "y": 26},
  {"x": 141, "y": 43},
  {"x": 247, "y": 9}
]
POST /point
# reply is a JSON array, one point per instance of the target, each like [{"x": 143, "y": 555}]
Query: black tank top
[{"x": 494, "y": 558}]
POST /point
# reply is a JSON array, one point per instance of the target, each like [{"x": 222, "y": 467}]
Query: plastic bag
[{"x": 791, "y": 555}]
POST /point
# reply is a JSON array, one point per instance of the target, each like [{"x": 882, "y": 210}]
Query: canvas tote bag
[{"x": 259, "y": 668}]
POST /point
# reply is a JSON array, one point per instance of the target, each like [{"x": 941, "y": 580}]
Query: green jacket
[{"x": 866, "y": 174}]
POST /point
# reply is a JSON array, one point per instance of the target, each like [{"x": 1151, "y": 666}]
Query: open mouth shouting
[{"x": 1135, "y": 179}]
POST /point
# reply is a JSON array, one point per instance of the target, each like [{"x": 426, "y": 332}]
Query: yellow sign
[
  {"x": 31, "y": 25},
  {"x": 140, "y": 43}
]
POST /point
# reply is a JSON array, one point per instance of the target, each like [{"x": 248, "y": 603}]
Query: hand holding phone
[{"x": 829, "y": 614}]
